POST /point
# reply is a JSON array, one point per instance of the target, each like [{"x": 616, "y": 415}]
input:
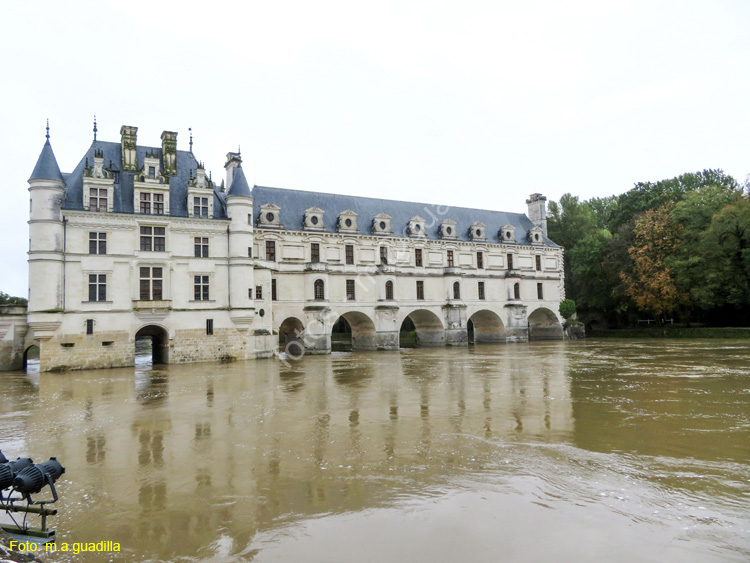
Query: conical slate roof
[
  {"x": 239, "y": 185},
  {"x": 46, "y": 166}
]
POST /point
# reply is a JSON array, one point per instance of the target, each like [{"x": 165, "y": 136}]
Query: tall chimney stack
[
  {"x": 538, "y": 211},
  {"x": 129, "y": 161}
]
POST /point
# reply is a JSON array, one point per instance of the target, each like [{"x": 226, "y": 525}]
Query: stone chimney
[
  {"x": 538, "y": 211},
  {"x": 129, "y": 133},
  {"x": 233, "y": 161},
  {"x": 169, "y": 152}
]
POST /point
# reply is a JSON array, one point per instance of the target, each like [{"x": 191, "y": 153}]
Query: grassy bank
[{"x": 674, "y": 332}]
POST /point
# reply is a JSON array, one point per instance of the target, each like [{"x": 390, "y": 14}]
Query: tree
[
  {"x": 6, "y": 299},
  {"x": 567, "y": 308},
  {"x": 651, "y": 284}
]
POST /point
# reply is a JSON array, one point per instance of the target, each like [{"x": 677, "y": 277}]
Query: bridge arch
[
  {"x": 31, "y": 358},
  {"x": 486, "y": 326},
  {"x": 428, "y": 329},
  {"x": 159, "y": 343},
  {"x": 354, "y": 330},
  {"x": 544, "y": 325},
  {"x": 291, "y": 335}
]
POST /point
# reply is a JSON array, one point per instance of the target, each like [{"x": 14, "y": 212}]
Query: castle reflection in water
[{"x": 166, "y": 460}]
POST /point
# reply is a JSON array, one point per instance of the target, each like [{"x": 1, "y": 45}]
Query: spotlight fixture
[
  {"x": 33, "y": 477},
  {"x": 9, "y": 470}
]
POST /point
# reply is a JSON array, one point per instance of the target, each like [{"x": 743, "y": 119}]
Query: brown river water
[{"x": 608, "y": 450}]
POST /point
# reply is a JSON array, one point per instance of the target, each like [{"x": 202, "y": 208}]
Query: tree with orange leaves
[{"x": 651, "y": 285}]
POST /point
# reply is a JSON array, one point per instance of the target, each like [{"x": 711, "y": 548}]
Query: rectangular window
[
  {"x": 146, "y": 203},
  {"x": 314, "y": 252},
  {"x": 417, "y": 256},
  {"x": 274, "y": 295},
  {"x": 480, "y": 260},
  {"x": 510, "y": 261},
  {"x": 350, "y": 290},
  {"x": 259, "y": 292},
  {"x": 450, "y": 258},
  {"x": 89, "y": 326},
  {"x": 249, "y": 251},
  {"x": 153, "y": 239},
  {"x": 97, "y": 243},
  {"x": 540, "y": 291},
  {"x": 538, "y": 263},
  {"x": 384, "y": 255},
  {"x": 420, "y": 290},
  {"x": 201, "y": 247},
  {"x": 249, "y": 219},
  {"x": 97, "y": 287},
  {"x": 98, "y": 199},
  {"x": 271, "y": 251},
  {"x": 209, "y": 326},
  {"x": 158, "y": 204},
  {"x": 200, "y": 285},
  {"x": 200, "y": 207},
  {"x": 151, "y": 283},
  {"x": 480, "y": 289},
  {"x": 349, "y": 251},
  {"x": 151, "y": 172}
]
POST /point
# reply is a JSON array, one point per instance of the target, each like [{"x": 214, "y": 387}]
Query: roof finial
[
  {"x": 191, "y": 139},
  {"x": 95, "y": 129},
  {"x": 48, "y": 128}
]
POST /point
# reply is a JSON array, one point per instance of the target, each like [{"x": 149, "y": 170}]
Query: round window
[
  {"x": 536, "y": 236},
  {"x": 448, "y": 230},
  {"x": 417, "y": 227},
  {"x": 348, "y": 222},
  {"x": 314, "y": 220},
  {"x": 382, "y": 225},
  {"x": 262, "y": 313},
  {"x": 507, "y": 234},
  {"x": 269, "y": 217},
  {"x": 479, "y": 232}
]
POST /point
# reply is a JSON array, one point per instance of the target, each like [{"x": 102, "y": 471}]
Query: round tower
[
  {"x": 240, "y": 213},
  {"x": 46, "y": 234}
]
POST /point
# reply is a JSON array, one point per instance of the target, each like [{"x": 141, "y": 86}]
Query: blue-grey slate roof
[
  {"x": 123, "y": 192},
  {"x": 239, "y": 185},
  {"x": 293, "y": 204},
  {"x": 46, "y": 166}
]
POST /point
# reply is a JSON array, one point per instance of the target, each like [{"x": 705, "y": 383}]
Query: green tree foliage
[
  {"x": 676, "y": 246},
  {"x": 567, "y": 308},
  {"x": 6, "y": 299}
]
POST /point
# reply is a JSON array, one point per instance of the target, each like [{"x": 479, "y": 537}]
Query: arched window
[
  {"x": 389, "y": 290},
  {"x": 456, "y": 290},
  {"x": 320, "y": 293},
  {"x": 517, "y": 291}
]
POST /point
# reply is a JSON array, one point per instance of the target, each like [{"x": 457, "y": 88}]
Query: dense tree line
[{"x": 674, "y": 249}]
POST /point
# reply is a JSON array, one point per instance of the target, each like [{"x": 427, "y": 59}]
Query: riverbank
[{"x": 673, "y": 332}]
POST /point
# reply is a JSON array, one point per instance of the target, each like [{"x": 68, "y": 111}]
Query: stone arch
[
  {"x": 31, "y": 357},
  {"x": 362, "y": 330},
  {"x": 428, "y": 327},
  {"x": 544, "y": 325},
  {"x": 291, "y": 337},
  {"x": 488, "y": 327},
  {"x": 159, "y": 337}
]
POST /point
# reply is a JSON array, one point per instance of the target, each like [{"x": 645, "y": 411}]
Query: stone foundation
[{"x": 90, "y": 351}]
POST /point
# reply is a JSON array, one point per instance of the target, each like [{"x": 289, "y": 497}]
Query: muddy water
[{"x": 577, "y": 451}]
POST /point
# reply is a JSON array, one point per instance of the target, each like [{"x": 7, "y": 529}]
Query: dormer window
[
  {"x": 507, "y": 233},
  {"x": 416, "y": 226},
  {"x": 478, "y": 231},
  {"x": 448, "y": 229},
  {"x": 314, "y": 219},
  {"x": 536, "y": 236},
  {"x": 381, "y": 224},
  {"x": 269, "y": 216},
  {"x": 150, "y": 190},
  {"x": 347, "y": 222}
]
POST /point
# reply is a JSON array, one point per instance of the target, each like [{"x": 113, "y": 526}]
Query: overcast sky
[{"x": 471, "y": 103}]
